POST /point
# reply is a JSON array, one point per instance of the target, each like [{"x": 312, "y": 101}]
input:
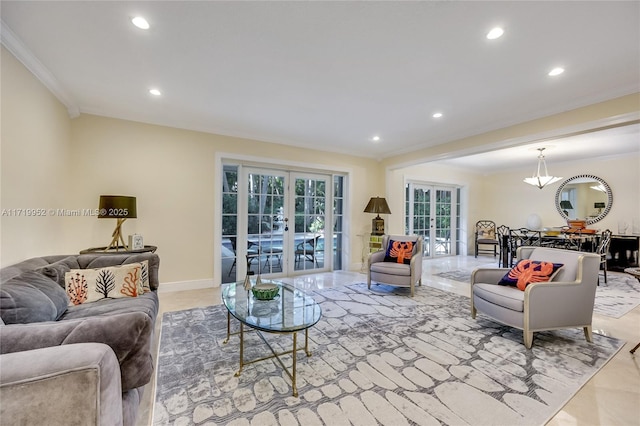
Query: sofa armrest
[
  {"x": 129, "y": 335},
  {"x": 62, "y": 385}
]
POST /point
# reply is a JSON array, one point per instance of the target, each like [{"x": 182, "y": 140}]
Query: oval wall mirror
[{"x": 584, "y": 197}]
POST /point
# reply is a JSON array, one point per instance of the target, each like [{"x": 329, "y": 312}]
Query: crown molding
[{"x": 18, "y": 49}]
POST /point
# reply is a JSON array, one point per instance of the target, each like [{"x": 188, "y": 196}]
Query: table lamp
[
  {"x": 377, "y": 205},
  {"x": 566, "y": 205},
  {"x": 118, "y": 207}
]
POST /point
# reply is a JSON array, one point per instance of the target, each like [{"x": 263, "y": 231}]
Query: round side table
[
  {"x": 122, "y": 250},
  {"x": 636, "y": 273}
]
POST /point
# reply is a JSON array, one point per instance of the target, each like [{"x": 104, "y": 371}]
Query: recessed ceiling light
[
  {"x": 140, "y": 22},
  {"x": 155, "y": 92},
  {"x": 495, "y": 33},
  {"x": 376, "y": 138},
  {"x": 437, "y": 115},
  {"x": 556, "y": 71}
]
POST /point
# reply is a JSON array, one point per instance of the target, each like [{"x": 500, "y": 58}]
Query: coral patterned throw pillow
[
  {"x": 530, "y": 271},
  {"x": 90, "y": 285}
]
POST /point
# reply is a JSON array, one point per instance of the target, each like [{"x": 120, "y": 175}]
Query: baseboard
[{"x": 186, "y": 285}]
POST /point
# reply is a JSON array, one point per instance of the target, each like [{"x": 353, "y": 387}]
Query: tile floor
[{"x": 611, "y": 397}]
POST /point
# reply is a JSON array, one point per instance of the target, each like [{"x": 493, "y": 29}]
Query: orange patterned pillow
[
  {"x": 399, "y": 252},
  {"x": 530, "y": 271}
]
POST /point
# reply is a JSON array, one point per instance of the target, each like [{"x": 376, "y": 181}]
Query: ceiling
[{"x": 331, "y": 75}]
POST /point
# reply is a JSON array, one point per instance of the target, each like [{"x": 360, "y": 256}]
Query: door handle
[{"x": 286, "y": 223}]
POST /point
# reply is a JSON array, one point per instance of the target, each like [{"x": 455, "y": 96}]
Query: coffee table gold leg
[
  {"x": 306, "y": 342},
  {"x": 225, "y": 341},
  {"x": 241, "y": 349},
  {"x": 293, "y": 376}
]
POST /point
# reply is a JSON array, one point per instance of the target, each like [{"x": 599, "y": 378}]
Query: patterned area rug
[
  {"x": 618, "y": 296},
  {"x": 379, "y": 358}
]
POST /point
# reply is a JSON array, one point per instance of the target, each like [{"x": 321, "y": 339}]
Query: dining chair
[
  {"x": 486, "y": 236},
  {"x": 502, "y": 233},
  {"x": 603, "y": 251},
  {"x": 522, "y": 237}
]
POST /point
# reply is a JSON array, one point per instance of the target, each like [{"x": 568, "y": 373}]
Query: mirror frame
[{"x": 570, "y": 180}]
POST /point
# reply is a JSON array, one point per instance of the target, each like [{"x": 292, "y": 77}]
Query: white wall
[{"x": 35, "y": 166}]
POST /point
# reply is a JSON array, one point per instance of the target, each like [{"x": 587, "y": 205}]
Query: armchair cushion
[
  {"x": 391, "y": 268},
  {"x": 529, "y": 271},
  {"x": 507, "y": 297},
  {"x": 399, "y": 252}
]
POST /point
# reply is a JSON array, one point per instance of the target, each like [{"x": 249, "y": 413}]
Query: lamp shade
[
  {"x": 377, "y": 205},
  {"x": 117, "y": 207}
]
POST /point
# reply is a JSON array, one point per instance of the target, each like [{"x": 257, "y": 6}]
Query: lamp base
[
  {"x": 117, "y": 239},
  {"x": 377, "y": 226}
]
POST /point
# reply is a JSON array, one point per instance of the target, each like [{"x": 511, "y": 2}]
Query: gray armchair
[
  {"x": 397, "y": 273},
  {"x": 565, "y": 302}
]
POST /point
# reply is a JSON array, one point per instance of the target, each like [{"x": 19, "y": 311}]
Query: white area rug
[{"x": 379, "y": 358}]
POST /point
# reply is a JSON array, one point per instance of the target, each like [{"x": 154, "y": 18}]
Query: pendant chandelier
[{"x": 541, "y": 180}]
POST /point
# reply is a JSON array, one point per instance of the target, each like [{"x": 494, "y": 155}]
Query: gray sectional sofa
[{"x": 73, "y": 365}]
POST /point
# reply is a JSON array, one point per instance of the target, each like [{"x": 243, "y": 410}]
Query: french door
[
  {"x": 274, "y": 222},
  {"x": 433, "y": 212}
]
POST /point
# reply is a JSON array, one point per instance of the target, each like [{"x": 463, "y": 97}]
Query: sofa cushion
[
  {"x": 529, "y": 271},
  {"x": 400, "y": 251},
  {"x": 505, "y": 296},
  {"x": 31, "y": 297},
  {"x": 147, "y": 303},
  {"x": 90, "y": 285}
]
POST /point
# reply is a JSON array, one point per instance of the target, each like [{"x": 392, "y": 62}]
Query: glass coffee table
[{"x": 291, "y": 311}]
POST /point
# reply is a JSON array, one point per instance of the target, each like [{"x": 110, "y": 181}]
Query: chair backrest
[
  {"x": 417, "y": 239},
  {"x": 603, "y": 245},
  {"x": 525, "y": 237},
  {"x": 486, "y": 229},
  {"x": 572, "y": 260}
]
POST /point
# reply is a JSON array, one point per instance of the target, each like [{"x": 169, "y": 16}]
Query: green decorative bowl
[{"x": 265, "y": 291}]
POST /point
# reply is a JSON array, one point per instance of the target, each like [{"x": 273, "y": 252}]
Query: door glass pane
[
  {"x": 229, "y": 222},
  {"x": 443, "y": 222},
  {"x": 265, "y": 202},
  {"x": 422, "y": 216},
  {"x": 338, "y": 216},
  {"x": 434, "y": 213},
  {"x": 309, "y": 220}
]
